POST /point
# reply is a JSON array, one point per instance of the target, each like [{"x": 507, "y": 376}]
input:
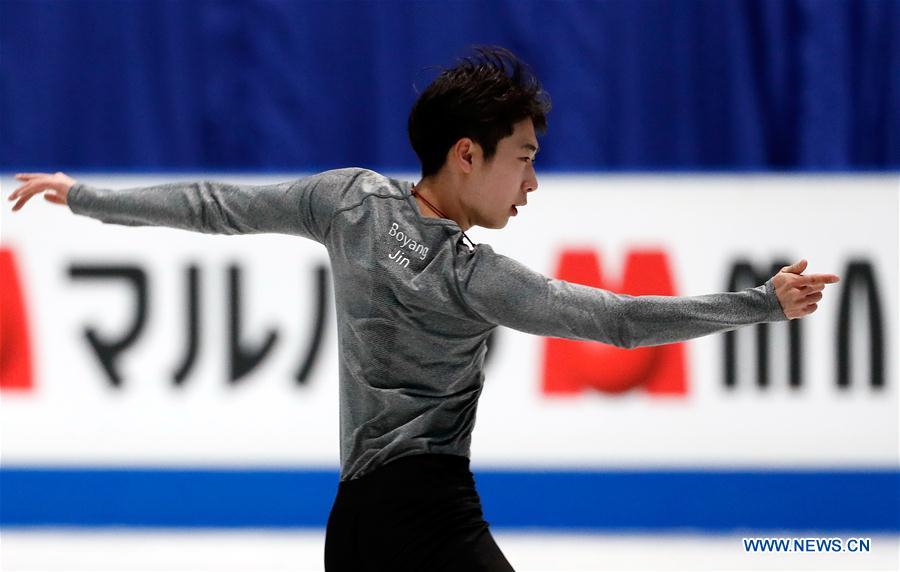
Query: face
[{"x": 505, "y": 180}]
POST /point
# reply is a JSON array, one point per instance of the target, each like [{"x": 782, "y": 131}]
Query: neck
[{"x": 442, "y": 195}]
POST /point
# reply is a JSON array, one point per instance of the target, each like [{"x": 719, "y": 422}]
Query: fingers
[
  {"x": 34, "y": 183},
  {"x": 796, "y": 268},
  {"x": 800, "y": 281},
  {"x": 27, "y": 177},
  {"x": 804, "y": 297},
  {"x": 812, "y": 298},
  {"x": 801, "y": 309},
  {"x": 33, "y": 186},
  {"x": 21, "y": 202},
  {"x": 818, "y": 279},
  {"x": 798, "y": 294},
  {"x": 25, "y": 192}
]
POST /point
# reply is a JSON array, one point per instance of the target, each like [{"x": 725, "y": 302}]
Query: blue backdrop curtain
[{"x": 276, "y": 85}]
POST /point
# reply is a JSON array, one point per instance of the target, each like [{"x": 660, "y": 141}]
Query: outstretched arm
[
  {"x": 505, "y": 292},
  {"x": 303, "y": 207}
]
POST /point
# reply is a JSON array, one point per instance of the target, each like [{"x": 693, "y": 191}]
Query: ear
[{"x": 464, "y": 153}]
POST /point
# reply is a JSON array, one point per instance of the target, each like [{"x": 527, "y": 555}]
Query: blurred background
[{"x": 168, "y": 400}]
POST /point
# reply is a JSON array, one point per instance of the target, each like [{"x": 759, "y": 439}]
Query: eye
[{"x": 526, "y": 159}]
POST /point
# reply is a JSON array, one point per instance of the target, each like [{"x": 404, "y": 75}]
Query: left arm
[{"x": 506, "y": 292}]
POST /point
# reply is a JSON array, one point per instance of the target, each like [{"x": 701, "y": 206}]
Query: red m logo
[
  {"x": 571, "y": 366},
  {"x": 15, "y": 345}
]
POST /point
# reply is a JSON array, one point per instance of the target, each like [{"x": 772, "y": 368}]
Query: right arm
[{"x": 303, "y": 207}]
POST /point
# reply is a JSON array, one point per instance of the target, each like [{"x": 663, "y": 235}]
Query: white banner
[{"x": 150, "y": 395}]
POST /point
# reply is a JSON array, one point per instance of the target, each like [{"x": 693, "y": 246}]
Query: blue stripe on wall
[{"x": 864, "y": 500}]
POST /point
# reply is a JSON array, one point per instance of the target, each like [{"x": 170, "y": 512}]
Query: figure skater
[{"x": 416, "y": 301}]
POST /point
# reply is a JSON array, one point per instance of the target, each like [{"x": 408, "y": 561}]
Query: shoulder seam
[
  {"x": 339, "y": 211},
  {"x": 462, "y": 296},
  {"x": 361, "y": 201},
  {"x": 364, "y": 199}
]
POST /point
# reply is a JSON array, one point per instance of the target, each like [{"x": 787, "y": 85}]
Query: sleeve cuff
[
  {"x": 777, "y": 314},
  {"x": 72, "y": 197}
]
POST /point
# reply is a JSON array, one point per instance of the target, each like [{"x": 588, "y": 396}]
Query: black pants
[{"x": 419, "y": 512}]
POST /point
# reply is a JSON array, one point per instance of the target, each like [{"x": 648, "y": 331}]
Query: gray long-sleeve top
[{"x": 414, "y": 304}]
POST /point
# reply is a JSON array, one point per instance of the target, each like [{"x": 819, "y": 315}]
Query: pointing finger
[{"x": 817, "y": 279}]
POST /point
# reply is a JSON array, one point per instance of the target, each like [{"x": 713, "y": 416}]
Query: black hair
[{"x": 481, "y": 97}]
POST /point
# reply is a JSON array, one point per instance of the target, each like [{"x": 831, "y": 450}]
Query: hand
[
  {"x": 798, "y": 294},
  {"x": 57, "y": 186}
]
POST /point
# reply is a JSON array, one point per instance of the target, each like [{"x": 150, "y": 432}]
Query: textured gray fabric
[{"x": 414, "y": 303}]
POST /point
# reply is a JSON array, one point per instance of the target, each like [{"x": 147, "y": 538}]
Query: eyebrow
[{"x": 529, "y": 146}]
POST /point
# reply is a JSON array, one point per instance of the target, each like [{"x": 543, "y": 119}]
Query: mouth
[{"x": 514, "y": 210}]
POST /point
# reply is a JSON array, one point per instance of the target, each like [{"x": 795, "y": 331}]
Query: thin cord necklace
[{"x": 416, "y": 193}]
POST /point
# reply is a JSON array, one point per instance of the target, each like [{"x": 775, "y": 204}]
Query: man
[{"x": 416, "y": 304}]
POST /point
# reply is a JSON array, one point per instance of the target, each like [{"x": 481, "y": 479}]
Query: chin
[{"x": 494, "y": 224}]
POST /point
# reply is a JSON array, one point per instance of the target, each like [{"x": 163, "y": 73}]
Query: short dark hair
[{"x": 482, "y": 97}]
